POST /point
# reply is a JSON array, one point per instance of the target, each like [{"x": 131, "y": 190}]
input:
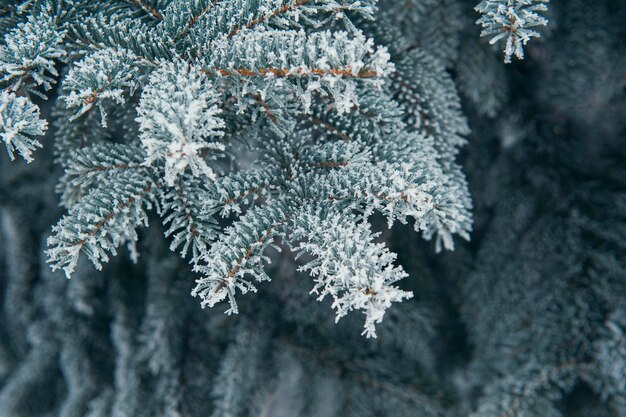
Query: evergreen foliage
[
  {"x": 19, "y": 118},
  {"x": 297, "y": 82},
  {"x": 288, "y": 151},
  {"x": 512, "y": 21}
]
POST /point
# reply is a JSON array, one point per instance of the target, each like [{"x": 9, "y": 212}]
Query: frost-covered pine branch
[
  {"x": 27, "y": 56},
  {"x": 231, "y": 120},
  {"x": 270, "y": 60},
  {"x": 179, "y": 121},
  {"x": 28, "y": 51},
  {"x": 348, "y": 267},
  {"x": 19, "y": 120},
  {"x": 512, "y": 21},
  {"x": 107, "y": 75}
]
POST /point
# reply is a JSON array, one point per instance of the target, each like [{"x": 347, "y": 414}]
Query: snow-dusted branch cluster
[
  {"x": 107, "y": 74},
  {"x": 512, "y": 21},
  {"x": 19, "y": 118},
  {"x": 29, "y": 51},
  {"x": 104, "y": 219},
  {"x": 179, "y": 120},
  {"x": 27, "y": 58},
  {"x": 183, "y": 88},
  {"x": 348, "y": 266}
]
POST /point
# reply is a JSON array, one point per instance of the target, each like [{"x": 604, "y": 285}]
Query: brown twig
[
  {"x": 266, "y": 107},
  {"x": 187, "y": 210}
]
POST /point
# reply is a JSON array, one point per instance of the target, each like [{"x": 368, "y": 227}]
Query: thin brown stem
[
  {"x": 266, "y": 108},
  {"x": 194, "y": 19}
]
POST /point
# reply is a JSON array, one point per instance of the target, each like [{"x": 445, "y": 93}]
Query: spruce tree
[{"x": 276, "y": 158}]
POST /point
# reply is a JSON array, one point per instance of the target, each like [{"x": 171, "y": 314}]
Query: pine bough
[
  {"x": 281, "y": 116},
  {"x": 512, "y": 21}
]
